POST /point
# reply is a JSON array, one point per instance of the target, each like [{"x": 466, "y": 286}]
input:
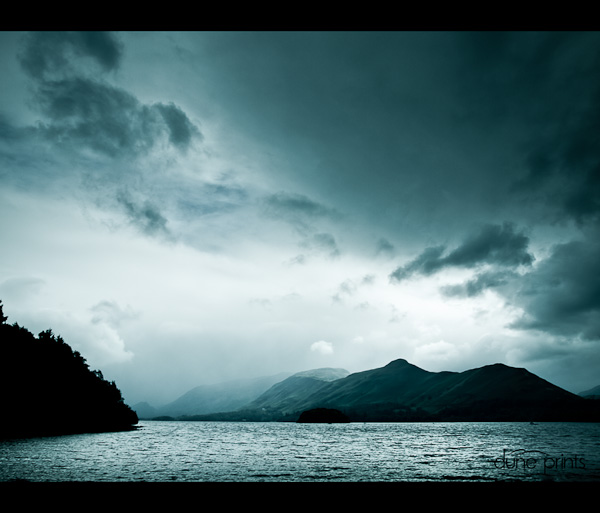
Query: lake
[{"x": 161, "y": 451}]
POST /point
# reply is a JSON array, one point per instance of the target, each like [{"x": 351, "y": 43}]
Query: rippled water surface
[{"x": 247, "y": 451}]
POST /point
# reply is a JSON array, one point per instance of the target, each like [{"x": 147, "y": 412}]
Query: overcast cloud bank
[{"x": 185, "y": 208}]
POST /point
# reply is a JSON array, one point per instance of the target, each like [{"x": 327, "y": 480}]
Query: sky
[{"x": 186, "y": 208}]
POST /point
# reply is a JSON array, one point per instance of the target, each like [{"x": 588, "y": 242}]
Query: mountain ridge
[
  {"x": 592, "y": 392},
  {"x": 297, "y": 387},
  {"x": 401, "y": 391},
  {"x": 234, "y": 394},
  {"x": 211, "y": 398}
]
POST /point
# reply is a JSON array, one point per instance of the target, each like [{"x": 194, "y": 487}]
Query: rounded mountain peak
[
  {"x": 402, "y": 365},
  {"x": 400, "y": 362}
]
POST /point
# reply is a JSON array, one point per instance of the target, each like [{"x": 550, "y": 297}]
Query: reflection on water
[{"x": 242, "y": 452}]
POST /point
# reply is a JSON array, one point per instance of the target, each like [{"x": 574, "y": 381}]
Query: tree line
[{"x": 49, "y": 389}]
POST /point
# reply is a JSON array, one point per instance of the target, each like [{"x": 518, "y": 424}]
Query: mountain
[
  {"x": 297, "y": 388},
  {"x": 493, "y": 392},
  {"x": 144, "y": 410},
  {"x": 401, "y": 391},
  {"x": 48, "y": 389},
  {"x": 204, "y": 399},
  {"x": 244, "y": 394},
  {"x": 593, "y": 392},
  {"x": 275, "y": 403}
]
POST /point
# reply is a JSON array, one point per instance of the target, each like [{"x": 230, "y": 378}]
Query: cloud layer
[
  {"x": 497, "y": 245},
  {"x": 81, "y": 109},
  {"x": 196, "y": 206},
  {"x": 562, "y": 295}
]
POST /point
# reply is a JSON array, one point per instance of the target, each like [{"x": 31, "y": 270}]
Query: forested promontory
[{"x": 48, "y": 388}]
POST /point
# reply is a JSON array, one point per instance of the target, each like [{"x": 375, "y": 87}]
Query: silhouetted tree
[
  {"x": 3, "y": 318},
  {"x": 49, "y": 389}
]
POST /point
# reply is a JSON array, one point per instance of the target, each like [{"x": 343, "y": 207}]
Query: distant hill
[
  {"x": 401, "y": 391},
  {"x": 593, "y": 392},
  {"x": 48, "y": 389},
  {"x": 323, "y": 374},
  {"x": 296, "y": 389},
  {"x": 144, "y": 410},
  {"x": 285, "y": 386},
  {"x": 204, "y": 399}
]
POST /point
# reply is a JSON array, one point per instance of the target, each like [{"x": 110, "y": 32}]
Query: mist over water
[{"x": 290, "y": 452}]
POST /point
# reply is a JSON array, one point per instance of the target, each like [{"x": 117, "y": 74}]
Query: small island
[
  {"x": 49, "y": 390},
  {"x": 323, "y": 415}
]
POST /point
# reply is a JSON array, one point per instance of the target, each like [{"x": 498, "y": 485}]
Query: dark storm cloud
[
  {"x": 83, "y": 111},
  {"x": 181, "y": 129},
  {"x": 546, "y": 88},
  {"x": 494, "y": 244},
  {"x": 303, "y": 213},
  {"x": 562, "y": 294},
  {"x": 479, "y": 284},
  {"x": 355, "y": 104},
  {"x": 516, "y": 74},
  {"x": 549, "y": 82},
  {"x": 565, "y": 167},
  {"x": 108, "y": 119},
  {"x": 103, "y": 118},
  {"x": 144, "y": 215},
  {"x": 52, "y": 52},
  {"x": 428, "y": 262}
]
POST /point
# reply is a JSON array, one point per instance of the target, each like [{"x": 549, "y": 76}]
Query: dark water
[{"x": 289, "y": 452}]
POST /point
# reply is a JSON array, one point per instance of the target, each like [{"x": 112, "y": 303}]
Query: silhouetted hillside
[
  {"x": 48, "y": 389},
  {"x": 323, "y": 415},
  {"x": 496, "y": 392}
]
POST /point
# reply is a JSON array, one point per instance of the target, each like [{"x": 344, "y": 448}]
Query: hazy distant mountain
[
  {"x": 286, "y": 395},
  {"x": 220, "y": 397},
  {"x": 593, "y": 392},
  {"x": 401, "y": 391},
  {"x": 144, "y": 410},
  {"x": 324, "y": 374}
]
